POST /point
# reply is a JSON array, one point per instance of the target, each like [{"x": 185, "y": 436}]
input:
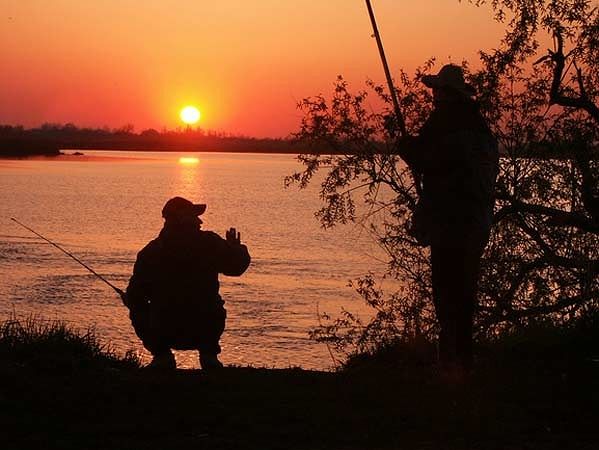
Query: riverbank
[{"x": 101, "y": 403}]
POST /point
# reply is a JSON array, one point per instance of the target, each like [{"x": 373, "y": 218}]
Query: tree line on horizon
[{"x": 50, "y": 138}]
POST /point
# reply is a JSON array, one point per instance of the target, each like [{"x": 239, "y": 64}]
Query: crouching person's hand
[{"x": 233, "y": 237}]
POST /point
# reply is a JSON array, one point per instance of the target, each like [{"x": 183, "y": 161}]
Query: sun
[{"x": 190, "y": 115}]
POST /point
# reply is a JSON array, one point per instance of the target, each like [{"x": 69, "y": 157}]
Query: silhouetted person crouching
[
  {"x": 173, "y": 293},
  {"x": 457, "y": 156}
]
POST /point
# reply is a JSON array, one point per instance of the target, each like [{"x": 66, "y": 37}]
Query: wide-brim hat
[
  {"x": 179, "y": 206},
  {"x": 452, "y": 77}
]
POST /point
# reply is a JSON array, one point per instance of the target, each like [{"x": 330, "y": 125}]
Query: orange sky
[{"x": 244, "y": 63}]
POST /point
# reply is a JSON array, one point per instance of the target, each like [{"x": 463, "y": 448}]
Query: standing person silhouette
[
  {"x": 173, "y": 295},
  {"x": 457, "y": 156}
]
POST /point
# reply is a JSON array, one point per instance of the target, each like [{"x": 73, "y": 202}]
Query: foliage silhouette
[{"x": 542, "y": 262}]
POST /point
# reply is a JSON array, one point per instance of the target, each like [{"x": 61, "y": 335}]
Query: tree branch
[
  {"x": 570, "y": 263},
  {"x": 556, "y": 216},
  {"x": 518, "y": 314},
  {"x": 589, "y": 184},
  {"x": 556, "y": 96}
]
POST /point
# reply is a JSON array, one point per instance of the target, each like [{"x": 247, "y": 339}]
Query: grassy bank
[{"x": 62, "y": 389}]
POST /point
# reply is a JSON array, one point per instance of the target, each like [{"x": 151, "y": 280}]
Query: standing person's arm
[
  {"x": 438, "y": 147},
  {"x": 419, "y": 151},
  {"x": 411, "y": 151}
]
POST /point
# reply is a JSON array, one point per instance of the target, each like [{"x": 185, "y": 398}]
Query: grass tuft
[{"x": 53, "y": 345}]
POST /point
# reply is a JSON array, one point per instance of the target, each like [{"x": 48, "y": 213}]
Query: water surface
[{"x": 105, "y": 206}]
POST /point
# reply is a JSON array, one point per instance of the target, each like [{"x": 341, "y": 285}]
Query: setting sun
[{"x": 190, "y": 115}]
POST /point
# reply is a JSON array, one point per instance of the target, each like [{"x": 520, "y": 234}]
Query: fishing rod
[
  {"x": 400, "y": 120},
  {"x": 116, "y": 289},
  {"x": 399, "y": 116}
]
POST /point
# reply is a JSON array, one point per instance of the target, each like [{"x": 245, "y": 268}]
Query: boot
[
  {"x": 209, "y": 361},
  {"x": 163, "y": 361}
]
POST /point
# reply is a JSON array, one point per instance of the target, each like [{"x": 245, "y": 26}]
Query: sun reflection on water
[{"x": 189, "y": 160}]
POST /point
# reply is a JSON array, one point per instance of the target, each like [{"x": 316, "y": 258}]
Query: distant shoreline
[
  {"x": 81, "y": 152},
  {"x": 26, "y": 148},
  {"x": 50, "y": 140}
]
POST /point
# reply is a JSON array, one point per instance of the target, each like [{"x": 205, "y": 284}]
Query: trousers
[
  {"x": 162, "y": 330},
  {"x": 455, "y": 272}
]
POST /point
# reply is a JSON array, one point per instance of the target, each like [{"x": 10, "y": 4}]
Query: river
[{"x": 105, "y": 206}]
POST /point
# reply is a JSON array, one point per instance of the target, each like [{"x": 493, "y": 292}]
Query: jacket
[
  {"x": 177, "y": 273},
  {"x": 457, "y": 156}
]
